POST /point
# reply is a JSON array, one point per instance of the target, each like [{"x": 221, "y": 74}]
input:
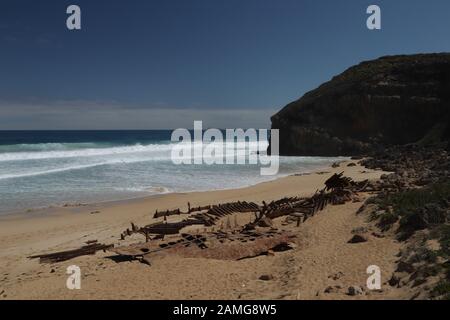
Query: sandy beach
[
  {"x": 321, "y": 259},
  {"x": 261, "y": 151}
]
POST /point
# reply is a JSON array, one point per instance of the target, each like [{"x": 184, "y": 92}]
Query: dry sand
[{"x": 321, "y": 259}]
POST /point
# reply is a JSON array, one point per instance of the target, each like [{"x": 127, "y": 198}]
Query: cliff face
[{"x": 389, "y": 101}]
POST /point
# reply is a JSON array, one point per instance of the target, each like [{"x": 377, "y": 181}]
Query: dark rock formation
[
  {"x": 357, "y": 238},
  {"x": 393, "y": 100}
]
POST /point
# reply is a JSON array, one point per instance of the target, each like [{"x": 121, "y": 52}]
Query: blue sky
[{"x": 162, "y": 64}]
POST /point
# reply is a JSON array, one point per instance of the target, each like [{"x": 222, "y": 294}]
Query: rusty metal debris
[
  {"x": 206, "y": 215},
  {"x": 338, "y": 190},
  {"x": 89, "y": 249},
  {"x": 212, "y": 210},
  {"x": 213, "y": 245},
  {"x": 253, "y": 239},
  {"x": 237, "y": 244}
]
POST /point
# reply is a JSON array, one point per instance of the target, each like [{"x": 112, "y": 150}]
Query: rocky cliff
[{"x": 393, "y": 100}]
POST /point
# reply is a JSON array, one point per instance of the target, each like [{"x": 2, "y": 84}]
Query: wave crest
[{"x": 81, "y": 152}]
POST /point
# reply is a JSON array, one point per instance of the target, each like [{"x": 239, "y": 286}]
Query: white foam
[
  {"x": 88, "y": 152},
  {"x": 161, "y": 150},
  {"x": 39, "y": 173},
  {"x": 70, "y": 168}
]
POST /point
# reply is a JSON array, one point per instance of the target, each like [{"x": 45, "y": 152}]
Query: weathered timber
[
  {"x": 167, "y": 213},
  {"x": 70, "y": 254}
]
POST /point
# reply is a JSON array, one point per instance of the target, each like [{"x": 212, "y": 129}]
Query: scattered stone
[
  {"x": 413, "y": 166},
  {"x": 332, "y": 289},
  {"x": 355, "y": 291},
  {"x": 357, "y": 238},
  {"x": 394, "y": 280},
  {"x": 351, "y": 164},
  {"x": 266, "y": 277},
  {"x": 336, "y": 276},
  {"x": 377, "y": 235}
]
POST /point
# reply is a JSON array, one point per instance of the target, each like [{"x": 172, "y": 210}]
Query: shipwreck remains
[
  {"x": 236, "y": 244},
  {"x": 338, "y": 190},
  {"x": 255, "y": 238}
]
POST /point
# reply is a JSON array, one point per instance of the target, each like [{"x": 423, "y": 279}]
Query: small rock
[
  {"x": 336, "y": 276},
  {"x": 355, "y": 291},
  {"x": 405, "y": 267},
  {"x": 266, "y": 277},
  {"x": 265, "y": 222},
  {"x": 377, "y": 235},
  {"x": 351, "y": 164},
  {"x": 52, "y": 271},
  {"x": 328, "y": 289},
  {"x": 357, "y": 238},
  {"x": 394, "y": 281},
  {"x": 332, "y": 289}
]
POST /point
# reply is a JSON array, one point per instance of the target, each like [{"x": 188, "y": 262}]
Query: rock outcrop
[{"x": 393, "y": 100}]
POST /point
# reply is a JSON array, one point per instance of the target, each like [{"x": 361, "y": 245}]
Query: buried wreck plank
[
  {"x": 70, "y": 254},
  {"x": 239, "y": 250},
  {"x": 224, "y": 247}
]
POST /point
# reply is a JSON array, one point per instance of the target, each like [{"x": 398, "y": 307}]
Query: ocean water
[{"x": 45, "y": 168}]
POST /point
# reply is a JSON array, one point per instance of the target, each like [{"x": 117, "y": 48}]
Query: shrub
[
  {"x": 417, "y": 209},
  {"x": 442, "y": 289},
  {"x": 386, "y": 220}
]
